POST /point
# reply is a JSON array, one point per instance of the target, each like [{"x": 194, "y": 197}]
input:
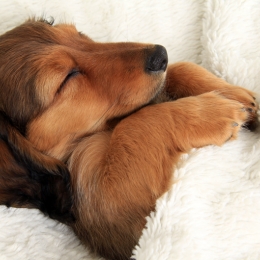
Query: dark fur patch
[{"x": 31, "y": 179}]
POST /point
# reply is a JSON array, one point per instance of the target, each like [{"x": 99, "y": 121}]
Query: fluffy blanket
[{"x": 213, "y": 209}]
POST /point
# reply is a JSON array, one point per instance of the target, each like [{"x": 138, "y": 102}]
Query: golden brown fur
[{"x": 99, "y": 110}]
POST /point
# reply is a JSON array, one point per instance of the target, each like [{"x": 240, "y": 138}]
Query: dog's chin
[{"x": 159, "y": 96}]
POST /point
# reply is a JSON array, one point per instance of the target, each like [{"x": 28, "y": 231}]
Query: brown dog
[{"x": 99, "y": 110}]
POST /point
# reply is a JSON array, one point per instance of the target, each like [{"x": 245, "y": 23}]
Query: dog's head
[{"x": 57, "y": 84}]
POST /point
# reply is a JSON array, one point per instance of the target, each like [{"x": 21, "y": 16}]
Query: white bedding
[{"x": 213, "y": 209}]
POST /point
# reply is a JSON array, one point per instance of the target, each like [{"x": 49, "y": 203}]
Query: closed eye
[{"x": 74, "y": 72}]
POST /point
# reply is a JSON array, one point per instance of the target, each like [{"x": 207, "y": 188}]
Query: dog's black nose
[{"x": 157, "y": 60}]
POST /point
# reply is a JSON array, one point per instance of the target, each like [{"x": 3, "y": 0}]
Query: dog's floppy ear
[{"x": 29, "y": 178}]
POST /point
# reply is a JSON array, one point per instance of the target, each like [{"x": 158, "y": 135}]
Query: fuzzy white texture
[{"x": 213, "y": 209}]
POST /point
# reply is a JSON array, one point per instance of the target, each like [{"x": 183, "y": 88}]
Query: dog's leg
[
  {"x": 188, "y": 79},
  {"x": 121, "y": 174}
]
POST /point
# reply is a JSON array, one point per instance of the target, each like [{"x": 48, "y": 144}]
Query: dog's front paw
[
  {"x": 248, "y": 99},
  {"x": 222, "y": 118}
]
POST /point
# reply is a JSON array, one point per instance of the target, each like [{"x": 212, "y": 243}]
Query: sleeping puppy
[{"x": 91, "y": 132}]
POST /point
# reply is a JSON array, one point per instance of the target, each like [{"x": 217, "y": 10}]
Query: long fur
[{"x": 111, "y": 116}]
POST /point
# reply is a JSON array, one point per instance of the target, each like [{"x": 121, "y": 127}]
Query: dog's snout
[{"x": 157, "y": 60}]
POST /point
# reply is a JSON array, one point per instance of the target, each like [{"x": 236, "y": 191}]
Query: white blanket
[{"x": 213, "y": 209}]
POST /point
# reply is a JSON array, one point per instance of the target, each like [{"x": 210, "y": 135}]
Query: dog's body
[{"x": 98, "y": 109}]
